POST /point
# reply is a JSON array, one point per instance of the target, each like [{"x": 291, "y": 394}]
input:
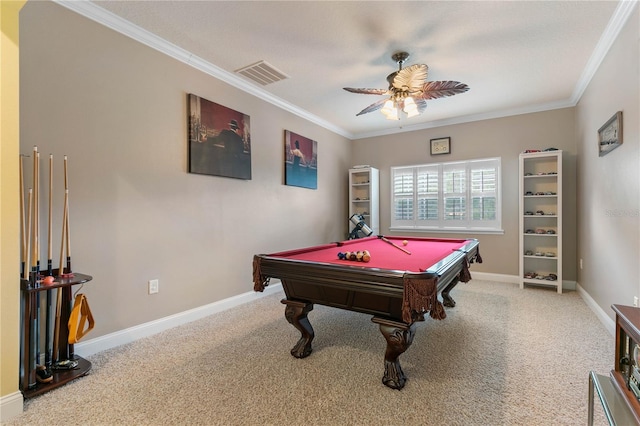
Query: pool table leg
[
  {"x": 296, "y": 313},
  {"x": 447, "y": 300},
  {"x": 399, "y": 337}
]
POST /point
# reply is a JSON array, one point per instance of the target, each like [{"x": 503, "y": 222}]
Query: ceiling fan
[{"x": 408, "y": 90}]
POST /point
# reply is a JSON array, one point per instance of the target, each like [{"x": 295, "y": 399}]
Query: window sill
[{"x": 448, "y": 231}]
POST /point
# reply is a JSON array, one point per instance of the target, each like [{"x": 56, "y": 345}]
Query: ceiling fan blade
[
  {"x": 367, "y": 91},
  {"x": 421, "y": 104},
  {"x": 411, "y": 79},
  {"x": 373, "y": 107},
  {"x": 442, "y": 89}
]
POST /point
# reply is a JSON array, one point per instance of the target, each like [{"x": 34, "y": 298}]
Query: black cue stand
[{"x": 29, "y": 386}]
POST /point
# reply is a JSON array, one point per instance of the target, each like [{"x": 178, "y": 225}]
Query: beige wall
[
  {"x": 609, "y": 187},
  {"x": 118, "y": 109},
  {"x": 503, "y": 137}
]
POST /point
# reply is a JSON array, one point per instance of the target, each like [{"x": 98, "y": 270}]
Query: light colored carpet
[{"x": 503, "y": 356}]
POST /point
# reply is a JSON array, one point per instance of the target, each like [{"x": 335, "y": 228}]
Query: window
[{"x": 456, "y": 196}]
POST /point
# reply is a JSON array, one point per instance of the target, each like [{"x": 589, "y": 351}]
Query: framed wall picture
[
  {"x": 219, "y": 140},
  {"x": 300, "y": 161},
  {"x": 440, "y": 146},
  {"x": 610, "y": 134}
]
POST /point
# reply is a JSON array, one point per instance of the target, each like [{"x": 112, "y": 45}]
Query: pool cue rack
[{"x": 29, "y": 297}]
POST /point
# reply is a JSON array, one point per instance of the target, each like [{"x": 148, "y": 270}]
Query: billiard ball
[
  {"x": 405, "y": 242},
  {"x": 47, "y": 280}
]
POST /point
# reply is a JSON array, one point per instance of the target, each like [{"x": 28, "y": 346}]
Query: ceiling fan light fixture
[
  {"x": 389, "y": 105},
  {"x": 390, "y": 110},
  {"x": 392, "y": 115},
  {"x": 410, "y": 80},
  {"x": 410, "y": 107}
]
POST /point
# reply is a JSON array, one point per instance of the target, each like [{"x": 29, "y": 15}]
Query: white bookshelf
[
  {"x": 364, "y": 188},
  {"x": 540, "y": 216}
]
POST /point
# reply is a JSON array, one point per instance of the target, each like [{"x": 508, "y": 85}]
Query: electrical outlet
[
  {"x": 154, "y": 286},
  {"x": 635, "y": 301}
]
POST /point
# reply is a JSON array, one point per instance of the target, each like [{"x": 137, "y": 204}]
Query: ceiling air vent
[{"x": 262, "y": 73}]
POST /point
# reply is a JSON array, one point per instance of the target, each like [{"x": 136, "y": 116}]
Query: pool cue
[
  {"x": 67, "y": 237},
  {"x": 35, "y": 261},
  {"x": 50, "y": 239},
  {"x": 34, "y": 231},
  {"x": 23, "y": 239},
  {"x": 395, "y": 245},
  {"x": 69, "y": 362},
  {"x": 57, "y": 325},
  {"x": 47, "y": 344},
  {"x": 31, "y": 368},
  {"x": 27, "y": 250}
]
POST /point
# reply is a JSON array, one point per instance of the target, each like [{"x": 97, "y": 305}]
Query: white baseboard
[
  {"x": 514, "y": 279},
  {"x": 609, "y": 323},
  {"x": 11, "y": 406},
  {"x": 112, "y": 340},
  {"x": 501, "y": 278}
]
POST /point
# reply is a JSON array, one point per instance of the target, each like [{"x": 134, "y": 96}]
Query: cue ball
[
  {"x": 47, "y": 280},
  {"x": 405, "y": 242}
]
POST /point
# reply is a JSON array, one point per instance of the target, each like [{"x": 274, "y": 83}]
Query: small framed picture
[
  {"x": 300, "y": 161},
  {"x": 440, "y": 146},
  {"x": 610, "y": 134}
]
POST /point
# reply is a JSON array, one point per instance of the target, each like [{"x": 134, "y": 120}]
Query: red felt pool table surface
[{"x": 425, "y": 253}]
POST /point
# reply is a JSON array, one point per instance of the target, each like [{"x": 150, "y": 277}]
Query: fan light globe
[
  {"x": 392, "y": 115},
  {"x": 410, "y": 107},
  {"x": 389, "y": 110}
]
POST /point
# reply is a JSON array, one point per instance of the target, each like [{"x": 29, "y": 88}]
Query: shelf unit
[
  {"x": 540, "y": 215},
  {"x": 364, "y": 188}
]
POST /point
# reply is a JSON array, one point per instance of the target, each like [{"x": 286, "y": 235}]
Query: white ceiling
[{"x": 516, "y": 56}]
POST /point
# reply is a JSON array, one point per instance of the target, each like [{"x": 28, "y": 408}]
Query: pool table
[{"x": 398, "y": 285}]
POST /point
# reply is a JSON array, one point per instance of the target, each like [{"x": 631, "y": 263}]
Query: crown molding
[
  {"x": 110, "y": 20},
  {"x": 616, "y": 23},
  {"x": 91, "y": 11},
  {"x": 619, "y": 18}
]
